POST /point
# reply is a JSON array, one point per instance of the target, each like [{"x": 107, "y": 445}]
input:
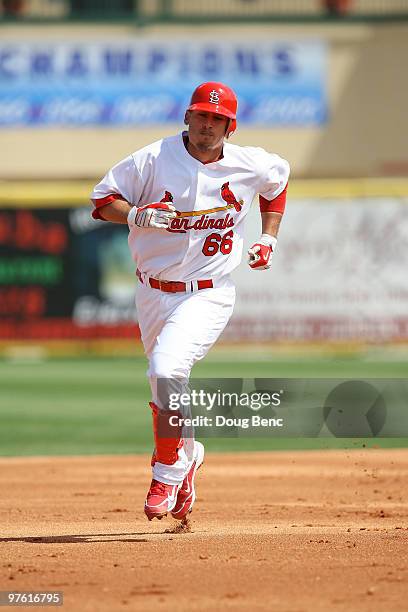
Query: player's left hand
[{"x": 260, "y": 253}]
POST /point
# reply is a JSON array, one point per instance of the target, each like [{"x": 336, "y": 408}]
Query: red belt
[{"x": 175, "y": 286}]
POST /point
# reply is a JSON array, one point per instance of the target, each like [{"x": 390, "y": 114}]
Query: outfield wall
[{"x": 338, "y": 275}]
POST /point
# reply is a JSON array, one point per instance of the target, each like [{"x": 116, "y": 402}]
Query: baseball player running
[{"x": 185, "y": 199}]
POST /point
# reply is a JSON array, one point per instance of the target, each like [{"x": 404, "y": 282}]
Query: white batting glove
[
  {"x": 260, "y": 253},
  {"x": 158, "y": 215}
]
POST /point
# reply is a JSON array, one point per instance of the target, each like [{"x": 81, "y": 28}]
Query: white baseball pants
[{"x": 177, "y": 330}]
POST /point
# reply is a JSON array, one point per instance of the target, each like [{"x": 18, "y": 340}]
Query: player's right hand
[{"x": 157, "y": 214}]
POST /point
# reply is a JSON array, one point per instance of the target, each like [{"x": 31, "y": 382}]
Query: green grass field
[{"x": 99, "y": 405}]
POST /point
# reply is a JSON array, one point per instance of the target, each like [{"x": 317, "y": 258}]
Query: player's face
[{"x": 206, "y": 131}]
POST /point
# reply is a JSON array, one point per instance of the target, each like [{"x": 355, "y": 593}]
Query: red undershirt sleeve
[
  {"x": 276, "y": 205},
  {"x": 100, "y": 202}
]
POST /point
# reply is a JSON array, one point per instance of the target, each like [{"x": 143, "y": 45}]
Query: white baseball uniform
[{"x": 203, "y": 243}]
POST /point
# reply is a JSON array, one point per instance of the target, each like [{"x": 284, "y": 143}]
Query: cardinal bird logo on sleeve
[{"x": 230, "y": 198}]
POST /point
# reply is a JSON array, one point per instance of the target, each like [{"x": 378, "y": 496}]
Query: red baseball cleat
[
  {"x": 186, "y": 495},
  {"x": 161, "y": 499}
]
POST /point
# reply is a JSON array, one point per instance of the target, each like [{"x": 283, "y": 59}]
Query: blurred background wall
[
  {"x": 84, "y": 83},
  {"x": 367, "y": 41},
  {"x": 365, "y": 134}
]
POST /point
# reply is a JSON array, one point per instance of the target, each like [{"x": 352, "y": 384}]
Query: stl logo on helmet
[{"x": 214, "y": 97}]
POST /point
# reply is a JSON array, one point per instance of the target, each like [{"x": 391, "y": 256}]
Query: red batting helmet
[{"x": 217, "y": 98}]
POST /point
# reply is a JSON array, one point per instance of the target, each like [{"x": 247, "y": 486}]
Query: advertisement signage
[
  {"x": 148, "y": 81},
  {"x": 338, "y": 274},
  {"x": 65, "y": 276}
]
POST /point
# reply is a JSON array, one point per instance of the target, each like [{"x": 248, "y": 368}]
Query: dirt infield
[{"x": 270, "y": 531}]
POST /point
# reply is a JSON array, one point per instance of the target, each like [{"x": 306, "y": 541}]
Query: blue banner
[{"x": 149, "y": 81}]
